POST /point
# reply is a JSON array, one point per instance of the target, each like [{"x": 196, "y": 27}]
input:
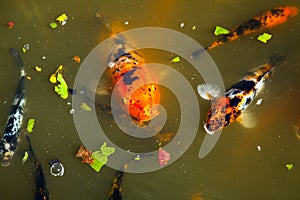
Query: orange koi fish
[
  {"x": 267, "y": 19},
  {"x": 132, "y": 82},
  {"x": 228, "y": 107}
]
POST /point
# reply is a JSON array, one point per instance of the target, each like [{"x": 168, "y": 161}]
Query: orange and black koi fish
[
  {"x": 228, "y": 107},
  {"x": 41, "y": 191},
  {"x": 267, "y": 19},
  {"x": 133, "y": 84}
]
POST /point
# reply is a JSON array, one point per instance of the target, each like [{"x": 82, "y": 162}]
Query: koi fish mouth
[
  {"x": 207, "y": 130},
  {"x": 292, "y": 11},
  {"x": 5, "y": 161}
]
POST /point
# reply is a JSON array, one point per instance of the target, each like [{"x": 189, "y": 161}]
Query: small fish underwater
[
  {"x": 10, "y": 138},
  {"x": 229, "y": 107},
  {"x": 260, "y": 22},
  {"x": 116, "y": 189},
  {"x": 41, "y": 191}
]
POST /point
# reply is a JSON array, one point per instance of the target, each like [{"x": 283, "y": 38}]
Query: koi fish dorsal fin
[
  {"x": 209, "y": 91},
  {"x": 247, "y": 120}
]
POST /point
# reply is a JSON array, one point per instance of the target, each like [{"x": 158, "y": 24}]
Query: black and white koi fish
[
  {"x": 9, "y": 141},
  {"x": 228, "y": 107},
  {"x": 41, "y": 191}
]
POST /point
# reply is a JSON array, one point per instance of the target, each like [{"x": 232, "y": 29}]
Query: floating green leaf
[
  {"x": 30, "y": 125},
  {"x": 289, "y": 166},
  {"x": 53, "y": 25},
  {"x": 264, "y": 37},
  {"x": 101, "y": 157},
  {"x": 220, "y": 30},
  {"x": 25, "y": 157},
  {"x": 176, "y": 59},
  {"x": 85, "y": 107},
  {"x": 107, "y": 150},
  {"x": 62, "y": 88},
  {"x": 97, "y": 165}
]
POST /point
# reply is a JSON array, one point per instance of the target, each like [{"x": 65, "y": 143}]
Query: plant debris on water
[{"x": 30, "y": 125}]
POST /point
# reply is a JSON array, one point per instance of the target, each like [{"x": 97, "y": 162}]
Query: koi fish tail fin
[
  {"x": 105, "y": 24},
  {"x": 18, "y": 59},
  {"x": 276, "y": 59},
  {"x": 17, "y": 56},
  {"x": 199, "y": 52}
]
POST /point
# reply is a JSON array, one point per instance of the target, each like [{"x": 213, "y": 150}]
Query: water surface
[{"x": 235, "y": 169}]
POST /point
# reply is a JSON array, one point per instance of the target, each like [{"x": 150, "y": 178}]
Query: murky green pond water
[{"x": 235, "y": 169}]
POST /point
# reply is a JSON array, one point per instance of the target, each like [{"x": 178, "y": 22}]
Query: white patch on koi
[
  {"x": 6, "y": 146},
  {"x": 23, "y": 73},
  {"x": 111, "y": 64}
]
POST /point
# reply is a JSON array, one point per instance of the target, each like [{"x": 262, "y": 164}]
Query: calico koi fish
[
  {"x": 265, "y": 20},
  {"x": 41, "y": 191},
  {"x": 133, "y": 84},
  {"x": 9, "y": 141},
  {"x": 228, "y": 107}
]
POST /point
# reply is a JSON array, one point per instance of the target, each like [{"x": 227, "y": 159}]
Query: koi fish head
[
  {"x": 217, "y": 115},
  {"x": 6, "y": 159},
  {"x": 123, "y": 64},
  {"x": 290, "y": 11},
  {"x": 278, "y": 15}
]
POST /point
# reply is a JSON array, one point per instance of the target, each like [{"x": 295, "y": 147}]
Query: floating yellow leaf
[
  {"x": 25, "y": 158},
  {"x": 264, "y": 37},
  {"x": 85, "y": 107},
  {"x": 62, "y": 19},
  {"x": 30, "y": 125},
  {"x": 289, "y": 166},
  {"x": 38, "y": 69},
  {"x": 53, "y": 77},
  {"x": 220, "y": 30},
  {"x": 176, "y": 59}
]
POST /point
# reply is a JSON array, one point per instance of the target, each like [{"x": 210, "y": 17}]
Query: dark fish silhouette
[
  {"x": 10, "y": 138},
  {"x": 41, "y": 191},
  {"x": 116, "y": 189}
]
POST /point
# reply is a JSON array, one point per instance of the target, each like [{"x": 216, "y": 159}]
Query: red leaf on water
[
  {"x": 163, "y": 156},
  {"x": 10, "y": 24}
]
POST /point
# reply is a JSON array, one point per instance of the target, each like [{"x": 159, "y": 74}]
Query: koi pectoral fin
[
  {"x": 209, "y": 91},
  {"x": 247, "y": 120}
]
